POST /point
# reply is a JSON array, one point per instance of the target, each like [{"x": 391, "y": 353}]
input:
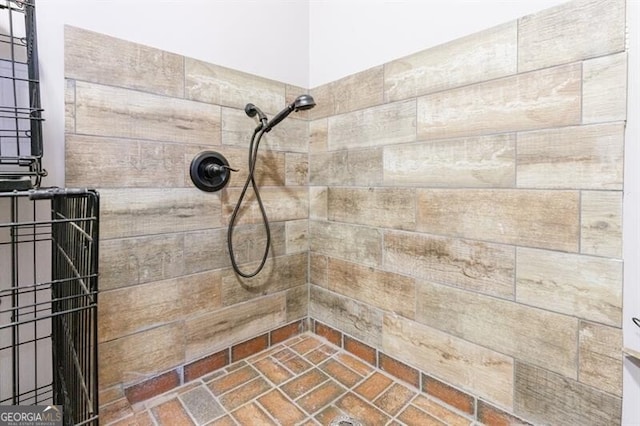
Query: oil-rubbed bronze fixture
[
  {"x": 301, "y": 103},
  {"x": 210, "y": 171}
]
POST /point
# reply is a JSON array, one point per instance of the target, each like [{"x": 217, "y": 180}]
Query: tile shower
[{"x": 452, "y": 217}]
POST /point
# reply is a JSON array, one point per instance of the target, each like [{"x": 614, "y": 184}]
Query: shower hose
[{"x": 253, "y": 158}]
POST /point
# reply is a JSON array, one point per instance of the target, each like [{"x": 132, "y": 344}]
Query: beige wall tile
[
  {"x": 290, "y": 135},
  {"x": 216, "y": 330},
  {"x": 279, "y": 274},
  {"x": 132, "y": 261},
  {"x": 69, "y": 106},
  {"x": 205, "y": 250},
  {"x": 357, "y": 91},
  {"x": 373, "y": 287},
  {"x": 361, "y": 167},
  {"x": 589, "y": 157},
  {"x": 485, "y": 161},
  {"x": 457, "y": 63},
  {"x": 533, "y": 335},
  {"x": 318, "y": 135},
  {"x": 223, "y": 86},
  {"x": 604, "y": 89},
  {"x": 354, "y": 243},
  {"x": 269, "y": 169},
  {"x": 360, "y": 320},
  {"x": 140, "y": 356},
  {"x": 131, "y": 212},
  {"x": 484, "y": 372},
  {"x": 472, "y": 265},
  {"x": 132, "y": 309},
  {"x": 107, "y": 60},
  {"x": 601, "y": 223},
  {"x": 545, "y": 397},
  {"x": 381, "y": 125},
  {"x": 318, "y": 269},
  {"x": 318, "y": 207},
  {"x": 324, "y": 97},
  {"x": 545, "y": 219},
  {"x": 297, "y": 236},
  {"x": 280, "y": 203},
  {"x": 297, "y": 303},
  {"x": 541, "y": 99},
  {"x": 297, "y": 169},
  {"x": 570, "y": 32},
  {"x": 380, "y": 207},
  {"x": 601, "y": 357},
  {"x": 120, "y": 163},
  {"x": 582, "y": 286},
  {"x": 109, "y": 111}
]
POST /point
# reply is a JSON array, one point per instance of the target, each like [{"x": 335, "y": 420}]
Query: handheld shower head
[
  {"x": 302, "y": 102},
  {"x": 251, "y": 110}
]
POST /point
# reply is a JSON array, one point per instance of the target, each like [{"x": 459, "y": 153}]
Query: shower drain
[{"x": 345, "y": 421}]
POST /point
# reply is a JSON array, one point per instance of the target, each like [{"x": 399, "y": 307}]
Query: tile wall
[
  {"x": 465, "y": 212},
  {"x": 170, "y": 305},
  {"x": 457, "y": 211}
]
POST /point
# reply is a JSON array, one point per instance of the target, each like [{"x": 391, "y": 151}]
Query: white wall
[
  {"x": 348, "y": 36},
  {"x": 302, "y": 42},
  {"x": 265, "y": 37}
]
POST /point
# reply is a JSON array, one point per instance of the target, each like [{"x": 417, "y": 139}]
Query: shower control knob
[{"x": 210, "y": 171}]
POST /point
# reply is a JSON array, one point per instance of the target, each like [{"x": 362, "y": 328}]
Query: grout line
[{"x": 186, "y": 410}]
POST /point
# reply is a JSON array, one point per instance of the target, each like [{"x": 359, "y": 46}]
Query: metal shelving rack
[
  {"x": 48, "y": 248},
  {"x": 20, "y": 109},
  {"x": 48, "y": 301}
]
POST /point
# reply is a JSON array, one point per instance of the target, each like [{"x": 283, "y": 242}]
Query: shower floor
[{"x": 303, "y": 381}]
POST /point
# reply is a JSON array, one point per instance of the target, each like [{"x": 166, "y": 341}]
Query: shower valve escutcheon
[{"x": 210, "y": 171}]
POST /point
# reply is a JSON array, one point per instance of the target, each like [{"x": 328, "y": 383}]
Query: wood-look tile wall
[
  {"x": 465, "y": 211},
  {"x": 135, "y": 117},
  {"x": 458, "y": 209}
]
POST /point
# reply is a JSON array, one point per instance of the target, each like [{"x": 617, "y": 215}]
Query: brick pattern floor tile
[
  {"x": 232, "y": 380},
  {"x": 373, "y": 386},
  {"x": 321, "y": 396},
  {"x": 292, "y": 361},
  {"x": 245, "y": 393},
  {"x": 354, "y": 364},
  {"x": 252, "y": 414},
  {"x": 202, "y": 405},
  {"x": 273, "y": 370},
  {"x": 439, "y": 411},
  {"x": 320, "y": 354},
  {"x": 281, "y": 408},
  {"x": 413, "y": 416},
  {"x": 306, "y": 345},
  {"x": 394, "y": 399},
  {"x": 341, "y": 373},
  {"x": 362, "y": 410},
  {"x": 223, "y": 421},
  {"x": 304, "y": 381},
  {"x": 140, "y": 419},
  {"x": 172, "y": 413}
]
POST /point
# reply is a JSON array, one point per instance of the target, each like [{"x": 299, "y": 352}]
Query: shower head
[
  {"x": 251, "y": 110},
  {"x": 302, "y": 102}
]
